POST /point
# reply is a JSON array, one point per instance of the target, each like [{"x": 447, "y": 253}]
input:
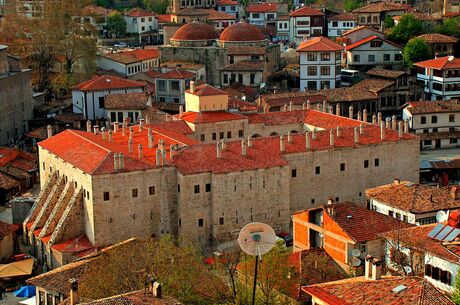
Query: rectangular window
[
  {"x": 229, "y": 134},
  {"x": 325, "y": 70},
  {"x": 161, "y": 85},
  {"x": 252, "y": 78},
  {"x": 202, "y": 137},
  {"x": 240, "y": 133},
  {"x": 221, "y": 221},
  {"x": 342, "y": 167},
  {"x": 293, "y": 173},
  {"x": 255, "y": 15},
  {"x": 312, "y": 201},
  {"x": 134, "y": 193},
  {"x": 434, "y": 119},
  {"x": 208, "y": 187},
  {"x": 196, "y": 188},
  {"x": 174, "y": 85},
  {"x": 312, "y": 56},
  {"x": 312, "y": 70},
  {"x": 113, "y": 116},
  {"x": 106, "y": 196},
  {"x": 377, "y": 162},
  {"x": 376, "y": 43},
  {"x": 151, "y": 190},
  {"x": 317, "y": 170},
  {"x": 225, "y": 78},
  {"x": 398, "y": 57},
  {"x": 356, "y": 58},
  {"x": 451, "y": 118},
  {"x": 221, "y": 135},
  {"x": 312, "y": 85},
  {"x": 386, "y": 57},
  {"x": 325, "y": 56},
  {"x": 200, "y": 222},
  {"x": 426, "y": 142},
  {"x": 366, "y": 163},
  {"x": 423, "y": 120},
  {"x": 335, "y": 24},
  {"x": 214, "y": 136},
  {"x": 101, "y": 102},
  {"x": 178, "y": 188},
  {"x": 390, "y": 213},
  {"x": 453, "y": 141},
  {"x": 41, "y": 298},
  {"x": 371, "y": 58}
]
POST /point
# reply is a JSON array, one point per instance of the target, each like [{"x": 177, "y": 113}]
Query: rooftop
[
  {"x": 422, "y": 107},
  {"x": 360, "y": 28},
  {"x": 106, "y": 82},
  {"x": 422, "y": 17},
  {"x": 385, "y": 73},
  {"x": 218, "y": 15},
  {"x": 437, "y": 38},
  {"x": 441, "y": 63},
  {"x": 362, "y": 291},
  {"x": 96, "y": 10},
  {"x": 246, "y": 65},
  {"x": 246, "y": 50},
  {"x": 368, "y": 39},
  {"x": 262, "y": 8},
  {"x": 414, "y": 198},
  {"x": 380, "y": 7},
  {"x": 319, "y": 44},
  {"x": 227, "y": 2},
  {"x": 176, "y": 73},
  {"x": 164, "y": 18},
  {"x": 6, "y": 228},
  {"x": 130, "y": 57},
  {"x": 126, "y": 101},
  {"x": 140, "y": 13},
  {"x": 242, "y": 31},
  {"x": 140, "y": 297},
  {"x": 306, "y": 11},
  {"x": 207, "y": 90},
  {"x": 344, "y": 17},
  {"x": 195, "y": 31}
]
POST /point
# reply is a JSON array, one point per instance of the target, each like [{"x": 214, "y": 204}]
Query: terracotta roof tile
[
  {"x": 368, "y": 39},
  {"x": 242, "y": 31},
  {"x": 262, "y": 8},
  {"x": 95, "y": 10},
  {"x": 414, "y": 198},
  {"x": 306, "y": 11},
  {"x": 139, "y": 297},
  {"x": 7, "y": 182},
  {"x": 129, "y": 57},
  {"x": 6, "y": 228},
  {"x": 218, "y": 15},
  {"x": 176, "y": 73},
  {"x": 380, "y": 7},
  {"x": 246, "y": 65},
  {"x": 73, "y": 245},
  {"x": 318, "y": 44},
  {"x": 164, "y": 18},
  {"x": 140, "y": 13},
  {"x": 421, "y": 17},
  {"x": 433, "y": 106},
  {"x": 227, "y": 2},
  {"x": 207, "y": 117},
  {"x": 246, "y": 50},
  {"x": 385, "y": 73},
  {"x": 206, "y": 90},
  {"x": 195, "y": 31},
  {"x": 373, "y": 85},
  {"x": 359, "y": 28},
  {"x": 441, "y": 63},
  {"x": 437, "y": 38},
  {"x": 105, "y": 82},
  {"x": 129, "y": 101},
  {"x": 344, "y": 17}
]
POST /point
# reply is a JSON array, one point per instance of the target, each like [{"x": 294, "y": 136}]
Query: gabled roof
[
  {"x": 127, "y": 101},
  {"x": 344, "y": 17},
  {"x": 164, "y": 18},
  {"x": 262, "y": 8},
  {"x": 177, "y": 73},
  {"x": 306, "y": 11},
  {"x": 446, "y": 62},
  {"x": 207, "y": 117},
  {"x": 319, "y": 44},
  {"x": 362, "y": 291},
  {"x": 438, "y": 38},
  {"x": 360, "y": 28},
  {"x": 140, "y": 13},
  {"x": 6, "y": 228},
  {"x": 385, "y": 73},
  {"x": 379, "y": 7},
  {"x": 422, "y": 107},
  {"x": 218, "y": 15},
  {"x": 105, "y": 82},
  {"x": 227, "y": 2},
  {"x": 133, "y": 56},
  {"x": 369, "y": 39},
  {"x": 206, "y": 90}
]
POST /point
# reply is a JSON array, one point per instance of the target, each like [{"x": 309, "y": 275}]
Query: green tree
[
  {"x": 449, "y": 27},
  {"x": 416, "y": 50},
  {"x": 116, "y": 24},
  {"x": 389, "y": 22},
  {"x": 350, "y": 5},
  {"x": 160, "y": 6},
  {"x": 456, "y": 293},
  {"x": 105, "y": 3},
  {"x": 407, "y": 28}
]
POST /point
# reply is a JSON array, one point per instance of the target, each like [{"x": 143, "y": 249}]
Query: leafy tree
[
  {"x": 449, "y": 27},
  {"x": 456, "y": 293},
  {"x": 105, "y": 3},
  {"x": 160, "y": 6},
  {"x": 351, "y": 5},
  {"x": 416, "y": 50},
  {"x": 389, "y": 22},
  {"x": 116, "y": 24},
  {"x": 407, "y": 28}
]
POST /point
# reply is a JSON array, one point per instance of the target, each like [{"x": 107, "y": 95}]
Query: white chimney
[
  {"x": 400, "y": 129},
  {"x": 388, "y": 123},
  {"x": 365, "y": 115},
  {"x": 285, "y": 108},
  {"x": 88, "y": 126},
  {"x": 350, "y": 112},
  {"x": 181, "y": 111},
  {"x": 361, "y": 128},
  {"x": 313, "y": 134},
  {"x": 74, "y": 297},
  {"x": 374, "y": 119},
  {"x": 243, "y": 147},
  {"x": 115, "y": 161},
  {"x": 103, "y": 134},
  {"x": 131, "y": 132},
  {"x": 116, "y": 126},
  {"x": 396, "y": 181},
  {"x": 406, "y": 126},
  {"x": 308, "y": 104},
  {"x": 304, "y": 106},
  {"x": 150, "y": 137},
  {"x": 359, "y": 116},
  {"x": 289, "y": 137},
  {"x": 337, "y": 109},
  {"x": 324, "y": 106},
  {"x": 172, "y": 148},
  {"x": 163, "y": 156},
  {"x": 356, "y": 135},
  {"x": 123, "y": 129},
  {"x": 368, "y": 267},
  {"x": 338, "y": 131},
  {"x": 376, "y": 269},
  {"x": 192, "y": 86},
  {"x": 307, "y": 141},
  {"x": 282, "y": 144},
  {"x": 141, "y": 124},
  {"x": 158, "y": 157},
  {"x": 130, "y": 146},
  {"x": 96, "y": 129},
  {"x": 382, "y": 131},
  {"x": 49, "y": 129},
  {"x": 379, "y": 118},
  {"x": 223, "y": 144},
  {"x": 218, "y": 150},
  {"x": 290, "y": 106},
  {"x": 140, "y": 150},
  {"x": 330, "y": 109},
  {"x": 394, "y": 122},
  {"x": 331, "y": 137},
  {"x": 318, "y": 106},
  {"x": 121, "y": 164},
  {"x": 110, "y": 135},
  {"x": 249, "y": 141},
  {"x": 147, "y": 119},
  {"x": 155, "y": 289}
]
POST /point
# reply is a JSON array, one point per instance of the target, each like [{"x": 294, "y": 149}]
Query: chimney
[
  {"x": 131, "y": 132},
  {"x": 400, "y": 129},
  {"x": 338, "y": 131},
  {"x": 123, "y": 129},
  {"x": 454, "y": 193},
  {"x": 374, "y": 119},
  {"x": 121, "y": 161},
  {"x": 163, "y": 156},
  {"x": 103, "y": 134},
  {"x": 406, "y": 126},
  {"x": 158, "y": 157},
  {"x": 359, "y": 116},
  {"x": 382, "y": 131},
  {"x": 365, "y": 115},
  {"x": 368, "y": 267},
  {"x": 150, "y": 137},
  {"x": 155, "y": 289},
  {"x": 388, "y": 123},
  {"x": 318, "y": 106},
  {"x": 116, "y": 161},
  {"x": 289, "y": 137},
  {"x": 394, "y": 122},
  {"x": 308, "y": 104},
  {"x": 110, "y": 135},
  {"x": 243, "y": 147},
  {"x": 181, "y": 111},
  {"x": 313, "y": 134},
  {"x": 74, "y": 299},
  {"x": 337, "y": 109},
  {"x": 350, "y": 112},
  {"x": 130, "y": 145},
  {"x": 223, "y": 144},
  {"x": 304, "y": 106},
  {"x": 218, "y": 150},
  {"x": 307, "y": 141},
  {"x": 376, "y": 269},
  {"x": 49, "y": 129},
  {"x": 141, "y": 124},
  {"x": 88, "y": 126},
  {"x": 147, "y": 119},
  {"x": 356, "y": 135},
  {"x": 396, "y": 181},
  {"x": 192, "y": 86},
  {"x": 331, "y": 137},
  {"x": 172, "y": 149},
  {"x": 361, "y": 128},
  {"x": 290, "y": 106},
  {"x": 324, "y": 106},
  {"x": 379, "y": 118},
  {"x": 96, "y": 129},
  {"x": 249, "y": 142},
  {"x": 285, "y": 108},
  {"x": 282, "y": 144},
  {"x": 116, "y": 126},
  {"x": 140, "y": 150}
]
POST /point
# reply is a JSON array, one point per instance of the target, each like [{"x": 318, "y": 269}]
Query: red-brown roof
[
  {"x": 73, "y": 245},
  {"x": 227, "y": 2},
  {"x": 139, "y": 297},
  {"x": 359, "y": 28},
  {"x": 106, "y": 82},
  {"x": 306, "y": 11},
  {"x": 362, "y": 291},
  {"x": 446, "y": 62},
  {"x": 438, "y": 38},
  {"x": 246, "y": 65},
  {"x": 242, "y": 31},
  {"x": 205, "y": 90},
  {"x": 319, "y": 44},
  {"x": 368, "y": 39},
  {"x": 176, "y": 73},
  {"x": 344, "y": 17},
  {"x": 133, "y": 56},
  {"x": 207, "y": 117},
  {"x": 218, "y": 15},
  {"x": 433, "y": 106},
  {"x": 127, "y": 101},
  {"x": 262, "y": 8},
  {"x": 140, "y": 13},
  {"x": 383, "y": 6},
  {"x": 95, "y": 10},
  {"x": 196, "y": 31},
  {"x": 164, "y": 18},
  {"x": 6, "y": 228}
]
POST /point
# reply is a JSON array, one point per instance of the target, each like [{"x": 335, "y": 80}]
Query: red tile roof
[
  {"x": 379, "y": 7},
  {"x": 164, "y": 18},
  {"x": 95, "y": 10},
  {"x": 196, "y": 31},
  {"x": 369, "y": 39},
  {"x": 207, "y": 117},
  {"x": 176, "y": 73},
  {"x": 242, "y": 31},
  {"x": 362, "y": 291},
  {"x": 140, "y": 13},
  {"x": 133, "y": 56},
  {"x": 437, "y": 38},
  {"x": 306, "y": 11},
  {"x": 433, "y": 106},
  {"x": 344, "y": 17},
  {"x": 359, "y": 28},
  {"x": 106, "y": 82},
  {"x": 441, "y": 63},
  {"x": 218, "y": 15},
  {"x": 6, "y": 228},
  {"x": 7, "y": 182},
  {"x": 73, "y": 245},
  {"x": 139, "y": 297},
  {"x": 127, "y": 101},
  {"x": 319, "y": 44},
  {"x": 207, "y": 90},
  {"x": 262, "y": 8},
  {"x": 246, "y": 65},
  {"x": 227, "y": 2}
]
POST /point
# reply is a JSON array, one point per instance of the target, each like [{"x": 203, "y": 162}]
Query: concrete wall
[{"x": 6, "y": 246}]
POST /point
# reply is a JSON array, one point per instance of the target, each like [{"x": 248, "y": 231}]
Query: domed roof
[
  {"x": 195, "y": 31},
  {"x": 242, "y": 31}
]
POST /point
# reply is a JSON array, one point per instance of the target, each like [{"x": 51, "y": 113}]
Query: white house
[
  {"x": 359, "y": 33},
  {"x": 305, "y": 22},
  {"x": 320, "y": 60},
  {"x": 374, "y": 51},
  {"x": 231, "y": 7},
  {"x": 436, "y": 122},
  {"x": 170, "y": 86},
  {"x": 88, "y": 97},
  {"x": 130, "y": 62},
  {"x": 411, "y": 202},
  {"x": 338, "y": 24},
  {"x": 127, "y": 106},
  {"x": 139, "y": 22},
  {"x": 440, "y": 76},
  {"x": 282, "y": 27},
  {"x": 262, "y": 14}
]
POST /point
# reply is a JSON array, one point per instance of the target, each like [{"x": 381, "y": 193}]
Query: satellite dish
[
  {"x": 48, "y": 115},
  {"x": 243, "y": 98},
  {"x": 417, "y": 223},
  {"x": 262, "y": 85},
  {"x": 441, "y": 216},
  {"x": 407, "y": 269},
  {"x": 53, "y": 115},
  {"x": 356, "y": 253},
  {"x": 256, "y": 239},
  {"x": 355, "y": 262}
]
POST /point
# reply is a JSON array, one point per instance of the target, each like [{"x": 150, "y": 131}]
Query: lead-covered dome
[{"x": 242, "y": 31}]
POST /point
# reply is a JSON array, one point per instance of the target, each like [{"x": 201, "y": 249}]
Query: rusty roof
[{"x": 423, "y": 107}]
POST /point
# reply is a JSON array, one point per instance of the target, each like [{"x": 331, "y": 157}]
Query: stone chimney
[
  {"x": 110, "y": 135},
  {"x": 290, "y": 106},
  {"x": 49, "y": 129},
  {"x": 121, "y": 163},
  {"x": 123, "y": 129},
  {"x": 307, "y": 141},
  {"x": 394, "y": 122},
  {"x": 218, "y": 150},
  {"x": 289, "y": 137},
  {"x": 376, "y": 269},
  {"x": 131, "y": 132},
  {"x": 374, "y": 119},
  {"x": 331, "y": 138},
  {"x": 304, "y": 106},
  {"x": 313, "y": 134},
  {"x": 163, "y": 156},
  {"x": 454, "y": 193},
  {"x": 158, "y": 157},
  {"x": 181, "y": 111},
  {"x": 356, "y": 135},
  {"x": 116, "y": 161},
  {"x": 223, "y": 144},
  {"x": 318, "y": 106},
  {"x": 388, "y": 123},
  {"x": 96, "y": 129},
  {"x": 74, "y": 298},
  {"x": 350, "y": 112},
  {"x": 103, "y": 133},
  {"x": 140, "y": 150},
  {"x": 337, "y": 109},
  {"x": 365, "y": 115},
  {"x": 368, "y": 267},
  {"x": 379, "y": 118},
  {"x": 147, "y": 119},
  {"x": 130, "y": 146},
  {"x": 406, "y": 126},
  {"x": 116, "y": 126},
  {"x": 382, "y": 131},
  {"x": 361, "y": 128},
  {"x": 243, "y": 147},
  {"x": 192, "y": 86},
  {"x": 400, "y": 129},
  {"x": 324, "y": 106},
  {"x": 282, "y": 144},
  {"x": 359, "y": 116},
  {"x": 396, "y": 181},
  {"x": 285, "y": 108},
  {"x": 88, "y": 126},
  {"x": 249, "y": 141},
  {"x": 150, "y": 137},
  {"x": 338, "y": 131},
  {"x": 172, "y": 150},
  {"x": 141, "y": 124},
  {"x": 308, "y": 104}
]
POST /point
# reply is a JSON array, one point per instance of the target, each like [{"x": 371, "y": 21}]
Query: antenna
[
  {"x": 408, "y": 269},
  {"x": 355, "y": 262},
  {"x": 441, "y": 216},
  {"x": 256, "y": 239},
  {"x": 356, "y": 253}
]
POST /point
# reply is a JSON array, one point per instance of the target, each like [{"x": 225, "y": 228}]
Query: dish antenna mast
[{"x": 256, "y": 239}]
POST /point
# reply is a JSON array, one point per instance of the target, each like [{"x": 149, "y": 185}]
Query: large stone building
[
  {"x": 16, "y": 99},
  {"x": 205, "y": 174},
  {"x": 241, "y": 54}
]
